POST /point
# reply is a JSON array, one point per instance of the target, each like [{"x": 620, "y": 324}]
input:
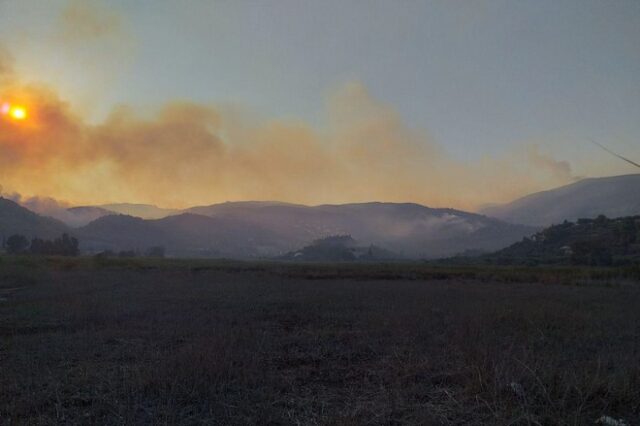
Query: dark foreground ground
[{"x": 166, "y": 342}]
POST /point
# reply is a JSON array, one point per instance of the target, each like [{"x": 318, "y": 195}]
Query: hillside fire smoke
[{"x": 187, "y": 153}]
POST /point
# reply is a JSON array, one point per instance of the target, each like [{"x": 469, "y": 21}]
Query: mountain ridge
[
  {"x": 268, "y": 229},
  {"x": 597, "y": 242},
  {"x": 612, "y": 196},
  {"x": 16, "y": 219}
]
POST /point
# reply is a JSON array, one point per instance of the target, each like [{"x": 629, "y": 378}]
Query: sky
[{"x": 444, "y": 103}]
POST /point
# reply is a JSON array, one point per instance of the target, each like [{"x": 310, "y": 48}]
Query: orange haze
[{"x": 186, "y": 154}]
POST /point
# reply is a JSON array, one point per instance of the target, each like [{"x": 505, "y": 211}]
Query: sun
[{"x": 16, "y": 112}]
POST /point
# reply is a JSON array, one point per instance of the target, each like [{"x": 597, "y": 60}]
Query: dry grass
[{"x": 152, "y": 342}]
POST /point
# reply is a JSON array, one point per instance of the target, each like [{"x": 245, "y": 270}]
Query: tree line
[
  {"x": 154, "y": 251},
  {"x": 65, "y": 245}
]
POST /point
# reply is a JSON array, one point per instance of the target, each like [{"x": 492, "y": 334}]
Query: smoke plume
[
  {"x": 185, "y": 154},
  {"x": 561, "y": 170},
  {"x": 88, "y": 20}
]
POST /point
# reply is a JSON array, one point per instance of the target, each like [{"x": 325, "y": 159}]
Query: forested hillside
[{"x": 599, "y": 242}]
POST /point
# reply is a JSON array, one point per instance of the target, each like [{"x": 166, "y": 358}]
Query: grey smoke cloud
[
  {"x": 188, "y": 154},
  {"x": 561, "y": 170},
  {"x": 88, "y": 20}
]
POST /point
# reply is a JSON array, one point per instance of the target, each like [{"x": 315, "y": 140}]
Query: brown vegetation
[{"x": 131, "y": 341}]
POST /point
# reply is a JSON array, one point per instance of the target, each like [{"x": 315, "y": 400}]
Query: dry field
[{"x": 84, "y": 341}]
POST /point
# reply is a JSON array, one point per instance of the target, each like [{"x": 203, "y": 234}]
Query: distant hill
[
  {"x": 615, "y": 196},
  {"x": 410, "y": 230},
  {"x": 80, "y": 216},
  {"x": 15, "y": 219},
  {"x": 119, "y": 232},
  {"x": 271, "y": 229},
  {"x": 339, "y": 248},
  {"x": 599, "y": 242},
  {"x": 145, "y": 211},
  {"x": 186, "y": 234}
]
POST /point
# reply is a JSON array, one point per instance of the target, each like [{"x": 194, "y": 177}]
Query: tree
[
  {"x": 63, "y": 246},
  {"x": 68, "y": 246},
  {"x": 155, "y": 251},
  {"x": 591, "y": 252},
  {"x": 127, "y": 253},
  {"x": 17, "y": 244},
  {"x": 38, "y": 246},
  {"x": 601, "y": 220}
]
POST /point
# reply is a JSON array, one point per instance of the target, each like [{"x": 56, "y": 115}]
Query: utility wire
[{"x": 614, "y": 154}]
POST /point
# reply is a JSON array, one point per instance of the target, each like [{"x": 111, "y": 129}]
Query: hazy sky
[{"x": 478, "y": 78}]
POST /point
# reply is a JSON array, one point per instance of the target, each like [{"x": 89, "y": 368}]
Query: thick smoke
[
  {"x": 43, "y": 205},
  {"x": 88, "y": 20},
  {"x": 560, "y": 170},
  {"x": 185, "y": 154},
  {"x": 6, "y": 68}
]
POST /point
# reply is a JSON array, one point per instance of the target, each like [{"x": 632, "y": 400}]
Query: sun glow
[
  {"x": 18, "y": 113},
  {"x": 15, "y": 112}
]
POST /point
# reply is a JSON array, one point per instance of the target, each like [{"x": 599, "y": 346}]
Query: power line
[{"x": 614, "y": 154}]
